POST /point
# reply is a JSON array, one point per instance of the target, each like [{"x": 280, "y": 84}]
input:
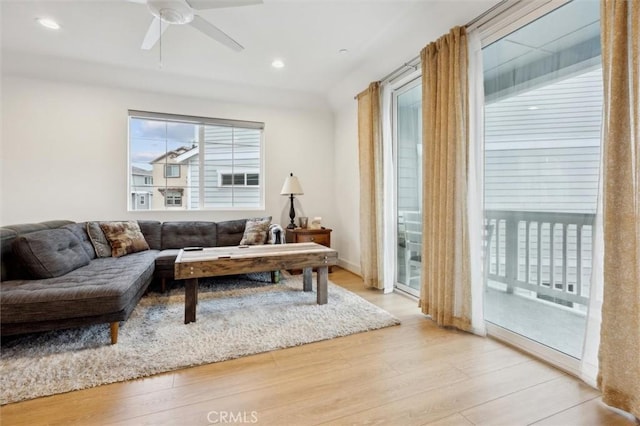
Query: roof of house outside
[{"x": 172, "y": 154}]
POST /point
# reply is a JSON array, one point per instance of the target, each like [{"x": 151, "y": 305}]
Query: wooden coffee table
[{"x": 217, "y": 261}]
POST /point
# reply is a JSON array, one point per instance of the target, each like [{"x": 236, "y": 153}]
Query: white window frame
[{"x": 196, "y": 120}]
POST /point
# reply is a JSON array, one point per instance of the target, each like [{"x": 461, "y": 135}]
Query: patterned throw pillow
[
  {"x": 124, "y": 237},
  {"x": 98, "y": 240},
  {"x": 255, "y": 231}
]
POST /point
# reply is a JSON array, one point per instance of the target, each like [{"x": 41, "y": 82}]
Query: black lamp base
[{"x": 292, "y": 215}]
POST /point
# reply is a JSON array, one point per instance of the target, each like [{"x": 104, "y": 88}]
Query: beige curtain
[
  {"x": 619, "y": 375},
  {"x": 445, "y": 293},
  {"x": 371, "y": 189}
]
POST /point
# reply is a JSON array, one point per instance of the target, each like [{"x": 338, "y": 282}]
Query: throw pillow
[
  {"x": 124, "y": 237},
  {"x": 98, "y": 240},
  {"x": 80, "y": 231},
  {"x": 50, "y": 253},
  {"x": 276, "y": 234},
  {"x": 255, "y": 231}
]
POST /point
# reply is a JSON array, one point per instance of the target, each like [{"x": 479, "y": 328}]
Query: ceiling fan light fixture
[
  {"x": 173, "y": 16},
  {"x": 171, "y": 11},
  {"x": 48, "y": 23},
  {"x": 167, "y": 13}
]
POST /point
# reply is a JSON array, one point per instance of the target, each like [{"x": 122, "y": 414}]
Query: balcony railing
[{"x": 548, "y": 254}]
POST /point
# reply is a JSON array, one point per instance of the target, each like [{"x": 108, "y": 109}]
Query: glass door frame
[
  {"x": 399, "y": 87},
  {"x": 490, "y": 32}
]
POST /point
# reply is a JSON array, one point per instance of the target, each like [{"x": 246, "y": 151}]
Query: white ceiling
[{"x": 100, "y": 41}]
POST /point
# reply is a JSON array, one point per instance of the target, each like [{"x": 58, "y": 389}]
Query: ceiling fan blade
[
  {"x": 215, "y": 33},
  {"x": 156, "y": 29},
  {"x": 218, "y": 4}
]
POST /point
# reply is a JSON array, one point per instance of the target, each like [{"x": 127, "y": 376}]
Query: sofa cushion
[
  {"x": 255, "y": 231},
  {"x": 152, "y": 231},
  {"x": 8, "y": 266},
  {"x": 12, "y": 268},
  {"x": 104, "y": 286},
  {"x": 98, "y": 240},
  {"x": 166, "y": 262},
  {"x": 230, "y": 232},
  {"x": 177, "y": 235},
  {"x": 50, "y": 253},
  {"x": 124, "y": 237},
  {"x": 80, "y": 231}
]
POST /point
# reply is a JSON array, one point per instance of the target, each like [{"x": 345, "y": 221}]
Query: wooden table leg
[
  {"x": 190, "y": 300},
  {"x": 306, "y": 279},
  {"x": 323, "y": 272}
]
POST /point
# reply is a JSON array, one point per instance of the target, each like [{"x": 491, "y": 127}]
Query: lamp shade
[{"x": 291, "y": 186}]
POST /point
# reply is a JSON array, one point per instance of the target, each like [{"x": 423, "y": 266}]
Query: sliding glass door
[
  {"x": 543, "y": 106},
  {"x": 407, "y": 132}
]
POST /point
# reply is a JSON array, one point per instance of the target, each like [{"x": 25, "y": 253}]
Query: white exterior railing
[{"x": 546, "y": 253}]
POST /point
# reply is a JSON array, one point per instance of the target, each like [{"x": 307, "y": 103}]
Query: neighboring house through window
[
  {"x": 195, "y": 163},
  {"x": 141, "y": 188}
]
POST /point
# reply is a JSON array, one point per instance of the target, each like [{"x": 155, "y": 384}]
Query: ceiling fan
[{"x": 180, "y": 12}]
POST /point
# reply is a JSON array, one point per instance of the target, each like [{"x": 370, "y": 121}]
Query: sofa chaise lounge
[{"x": 100, "y": 290}]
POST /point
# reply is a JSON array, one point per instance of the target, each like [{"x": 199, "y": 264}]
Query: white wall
[
  {"x": 64, "y": 152},
  {"x": 347, "y": 187}
]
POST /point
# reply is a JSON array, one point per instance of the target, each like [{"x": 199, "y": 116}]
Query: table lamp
[{"x": 291, "y": 187}]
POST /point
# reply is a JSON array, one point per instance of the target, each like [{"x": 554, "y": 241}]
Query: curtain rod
[{"x": 475, "y": 22}]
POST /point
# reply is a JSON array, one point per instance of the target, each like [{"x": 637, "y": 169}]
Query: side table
[{"x": 306, "y": 235}]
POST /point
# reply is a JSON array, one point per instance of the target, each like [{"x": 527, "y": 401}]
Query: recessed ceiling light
[
  {"x": 277, "y": 63},
  {"x": 48, "y": 23},
  {"x": 532, "y": 108}
]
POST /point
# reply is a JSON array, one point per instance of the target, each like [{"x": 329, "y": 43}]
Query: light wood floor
[{"x": 411, "y": 374}]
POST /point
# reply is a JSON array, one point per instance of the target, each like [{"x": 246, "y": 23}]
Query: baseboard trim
[{"x": 349, "y": 266}]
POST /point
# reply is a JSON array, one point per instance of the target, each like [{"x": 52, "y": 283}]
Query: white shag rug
[{"x": 235, "y": 317}]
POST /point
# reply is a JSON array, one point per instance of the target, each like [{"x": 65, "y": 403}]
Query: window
[
  {"x": 173, "y": 199},
  {"x": 172, "y": 170},
  {"x": 239, "y": 179},
  {"x": 253, "y": 179},
  {"x": 196, "y": 163}
]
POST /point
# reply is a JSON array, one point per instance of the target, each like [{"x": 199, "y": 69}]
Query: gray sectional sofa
[{"x": 100, "y": 290}]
